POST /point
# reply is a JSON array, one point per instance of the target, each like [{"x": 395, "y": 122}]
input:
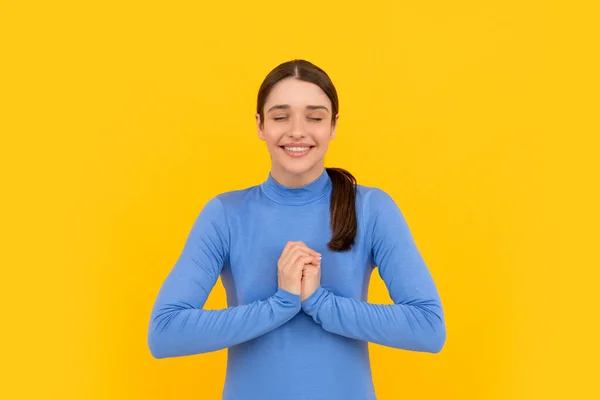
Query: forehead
[{"x": 297, "y": 93}]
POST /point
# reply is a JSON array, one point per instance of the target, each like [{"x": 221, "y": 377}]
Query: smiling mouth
[{"x": 294, "y": 151}]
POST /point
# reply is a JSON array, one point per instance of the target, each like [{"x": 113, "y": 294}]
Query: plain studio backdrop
[{"x": 119, "y": 120}]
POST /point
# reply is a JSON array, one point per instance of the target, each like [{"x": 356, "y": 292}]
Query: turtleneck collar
[{"x": 306, "y": 194}]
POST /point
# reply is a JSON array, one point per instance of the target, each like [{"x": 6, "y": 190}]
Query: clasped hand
[{"x": 299, "y": 269}]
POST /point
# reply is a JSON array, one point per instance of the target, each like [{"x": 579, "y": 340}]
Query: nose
[{"x": 297, "y": 128}]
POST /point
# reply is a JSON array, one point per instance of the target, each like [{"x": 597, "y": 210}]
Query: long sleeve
[
  {"x": 416, "y": 320},
  {"x": 180, "y": 326}
]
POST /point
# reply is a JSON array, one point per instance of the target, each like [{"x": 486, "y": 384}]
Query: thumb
[{"x": 308, "y": 269}]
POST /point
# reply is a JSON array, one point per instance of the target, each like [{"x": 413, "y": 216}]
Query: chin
[
  {"x": 298, "y": 170},
  {"x": 296, "y": 166}
]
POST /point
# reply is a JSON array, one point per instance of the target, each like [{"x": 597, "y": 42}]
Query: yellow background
[{"x": 119, "y": 120}]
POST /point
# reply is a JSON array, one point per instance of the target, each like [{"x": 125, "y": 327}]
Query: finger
[
  {"x": 313, "y": 252},
  {"x": 287, "y": 253},
  {"x": 297, "y": 267},
  {"x": 303, "y": 260},
  {"x": 308, "y": 249},
  {"x": 288, "y": 246},
  {"x": 316, "y": 261},
  {"x": 297, "y": 254},
  {"x": 310, "y": 270},
  {"x": 294, "y": 261},
  {"x": 310, "y": 267}
]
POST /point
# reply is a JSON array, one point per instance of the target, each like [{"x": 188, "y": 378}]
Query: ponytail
[{"x": 342, "y": 209}]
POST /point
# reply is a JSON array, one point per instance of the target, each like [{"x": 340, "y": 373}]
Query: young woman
[{"x": 295, "y": 255}]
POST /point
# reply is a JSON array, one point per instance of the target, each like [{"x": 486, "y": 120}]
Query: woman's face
[{"x": 297, "y": 129}]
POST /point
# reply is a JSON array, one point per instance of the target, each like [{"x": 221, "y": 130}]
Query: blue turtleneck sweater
[{"x": 280, "y": 348}]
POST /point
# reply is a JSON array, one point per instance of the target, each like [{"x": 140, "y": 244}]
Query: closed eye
[{"x": 282, "y": 118}]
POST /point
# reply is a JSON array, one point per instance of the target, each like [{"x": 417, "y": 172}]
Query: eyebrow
[{"x": 287, "y": 107}]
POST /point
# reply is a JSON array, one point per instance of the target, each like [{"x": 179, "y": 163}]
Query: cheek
[
  {"x": 272, "y": 136},
  {"x": 324, "y": 136}
]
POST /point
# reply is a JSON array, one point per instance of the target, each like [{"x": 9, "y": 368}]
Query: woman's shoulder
[
  {"x": 372, "y": 200},
  {"x": 236, "y": 197},
  {"x": 372, "y": 195}
]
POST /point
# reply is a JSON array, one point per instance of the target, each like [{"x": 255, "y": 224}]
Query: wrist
[
  {"x": 312, "y": 302},
  {"x": 288, "y": 297}
]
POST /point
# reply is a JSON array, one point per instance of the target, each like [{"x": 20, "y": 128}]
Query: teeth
[{"x": 297, "y": 149}]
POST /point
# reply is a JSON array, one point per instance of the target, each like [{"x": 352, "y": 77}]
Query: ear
[
  {"x": 259, "y": 127},
  {"x": 335, "y": 124}
]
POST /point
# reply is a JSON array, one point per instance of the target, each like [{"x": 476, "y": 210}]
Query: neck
[
  {"x": 310, "y": 192},
  {"x": 293, "y": 180}
]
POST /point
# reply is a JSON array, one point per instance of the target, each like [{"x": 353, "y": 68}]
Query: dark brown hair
[{"x": 343, "y": 196}]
